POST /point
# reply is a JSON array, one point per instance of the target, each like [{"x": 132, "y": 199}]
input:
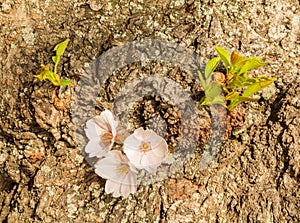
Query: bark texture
[{"x": 43, "y": 174}]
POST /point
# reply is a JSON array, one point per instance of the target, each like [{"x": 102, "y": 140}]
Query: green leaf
[
  {"x": 237, "y": 62},
  {"x": 54, "y": 78},
  {"x": 236, "y": 82},
  {"x": 202, "y": 81},
  {"x": 219, "y": 100},
  {"x": 211, "y": 66},
  {"x": 44, "y": 72},
  {"x": 213, "y": 94},
  {"x": 235, "y": 58},
  {"x": 249, "y": 81},
  {"x": 250, "y": 64},
  {"x": 257, "y": 86},
  {"x": 65, "y": 83},
  {"x": 61, "y": 47},
  {"x": 232, "y": 96},
  {"x": 240, "y": 81},
  {"x": 213, "y": 89},
  {"x": 235, "y": 99},
  {"x": 54, "y": 59},
  {"x": 233, "y": 104},
  {"x": 44, "y": 75},
  {"x": 224, "y": 56},
  {"x": 238, "y": 86}
]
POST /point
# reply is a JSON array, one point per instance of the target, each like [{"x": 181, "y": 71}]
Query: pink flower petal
[
  {"x": 118, "y": 189},
  {"x": 94, "y": 148},
  {"x": 106, "y": 168},
  {"x": 145, "y": 149},
  {"x": 155, "y": 140},
  {"x": 115, "y": 167},
  {"x": 112, "y": 187},
  {"x": 92, "y": 129},
  {"x": 160, "y": 150},
  {"x": 102, "y": 126},
  {"x": 132, "y": 142},
  {"x": 117, "y": 155},
  {"x": 135, "y": 156},
  {"x": 126, "y": 190},
  {"x": 130, "y": 179},
  {"x": 150, "y": 163},
  {"x": 142, "y": 134},
  {"x": 106, "y": 122}
]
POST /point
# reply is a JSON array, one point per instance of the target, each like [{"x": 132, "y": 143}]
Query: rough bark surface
[{"x": 44, "y": 176}]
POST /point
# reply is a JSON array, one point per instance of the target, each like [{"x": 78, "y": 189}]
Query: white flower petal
[
  {"x": 148, "y": 160},
  {"x": 115, "y": 167},
  {"x": 151, "y": 155},
  {"x": 102, "y": 126},
  {"x": 130, "y": 179},
  {"x": 126, "y": 190},
  {"x": 117, "y": 155},
  {"x": 106, "y": 145},
  {"x": 92, "y": 129},
  {"x": 112, "y": 187},
  {"x": 142, "y": 134},
  {"x": 161, "y": 149},
  {"x": 129, "y": 184},
  {"x": 134, "y": 156},
  {"x": 106, "y": 122},
  {"x": 118, "y": 189},
  {"x": 151, "y": 161},
  {"x": 106, "y": 168},
  {"x": 155, "y": 140},
  {"x": 151, "y": 169},
  {"x": 94, "y": 148},
  {"x": 132, "y": 142}
]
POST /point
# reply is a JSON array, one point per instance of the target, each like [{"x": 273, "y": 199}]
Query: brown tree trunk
[{"x": 43, "y": 174}]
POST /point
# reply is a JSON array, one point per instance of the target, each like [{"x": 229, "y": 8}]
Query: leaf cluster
[
  {"x": 46, "y": 73},
  {"x": 238, "y": 86}
]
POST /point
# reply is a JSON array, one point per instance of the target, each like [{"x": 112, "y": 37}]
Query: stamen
[
  {"x": 145, "y": 147},
  {"x": 118, "y": 138},
  {"x": 122, "y": 170},
  {"x": 106, "y": 137}
]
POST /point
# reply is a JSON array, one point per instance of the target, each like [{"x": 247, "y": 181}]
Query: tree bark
[{"x": 43, "y": 174}]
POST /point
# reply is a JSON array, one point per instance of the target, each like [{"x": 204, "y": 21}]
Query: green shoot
[
  {"x": 238, "y": 85},
  {"x": 45, "y": 73}
]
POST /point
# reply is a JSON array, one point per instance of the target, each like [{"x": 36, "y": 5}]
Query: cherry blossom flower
[
  {"x": 120, "y": 174},
  {"x": 101, "y": 132},
  {"x": 145, "y": 149}
]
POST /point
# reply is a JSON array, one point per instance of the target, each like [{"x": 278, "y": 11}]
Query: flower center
[
  {"x": 145, "y": 147},
  {"x": 122, "y": 170},
  {"x": 106, "y": 137}
]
